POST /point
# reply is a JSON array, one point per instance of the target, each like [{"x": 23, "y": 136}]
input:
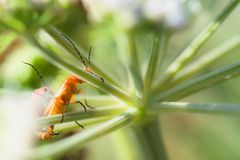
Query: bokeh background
[{"x": 187, "y": 136}]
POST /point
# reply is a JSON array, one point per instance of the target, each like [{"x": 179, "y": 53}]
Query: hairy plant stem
[
  {"x": 61, "y": 39},
  {"x": 193, "y": 47}
]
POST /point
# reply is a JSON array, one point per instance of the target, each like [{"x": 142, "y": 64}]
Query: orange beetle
[{"x": 64, "y": 96}]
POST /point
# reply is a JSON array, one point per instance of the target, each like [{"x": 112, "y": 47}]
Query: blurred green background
[{"x": 187, "y": 136}]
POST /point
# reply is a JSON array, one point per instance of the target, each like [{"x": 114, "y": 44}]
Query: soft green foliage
[{"x": 138, "y": 101}]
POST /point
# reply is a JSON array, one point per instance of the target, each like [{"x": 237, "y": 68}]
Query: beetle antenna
[
  {"x": 78, "y": 52},
  {"x": 38, "y": 73},
  {"x": 89, "y": 55}
]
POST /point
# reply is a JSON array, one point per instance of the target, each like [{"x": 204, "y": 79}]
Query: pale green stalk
[
  {"x": 208, "y": 59},
  {"x": 98, "y": 100},
  {"x": 69, "y": 126},
  {"x": 134, "y": 63},
  {"x": 192, "y": 48},
  {"x": 209, "y": 108},
  {"x": 78, "y": 140},
  {"x": 207, "y": 80},
  {"x": 81, "y": 115},
  {"x": 157, "y": 55}
]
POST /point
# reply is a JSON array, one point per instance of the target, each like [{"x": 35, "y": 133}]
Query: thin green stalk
[
  {"x": 193, "y": 47},
  {"x": 81, "y": 115},
  {"x": 99, "y": 100},
  {"x": 51, "y": 57},
  {"x": 208, "y": 59},
  {"x": 207, "y": 80},
  {"x": 60, "y": 39},
  {"x": 69, "y": 126},
  {"x": 210, "y": 108},
  {"x": 150, "y": 131},
  {"x": 157, "y": 55},
  {"x": 134, "y": 64},
  {"x": 78, "y": 140}
]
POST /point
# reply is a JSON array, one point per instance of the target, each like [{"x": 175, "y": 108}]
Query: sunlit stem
[
  {"x": 193, "y": 47},
  {"x": 205, "y": 61},
  {"x": 134, "y": 62},
  {"x": 211, "y": 108},
  {"x": 81, "y": 115},
  {"x": 208, "y": 59},
  {"x": 157, "y": 56},
  {"x": 69, "y": 126},
  {"x": 99, "y": 100},
  {"x": 197, "y": 84}
]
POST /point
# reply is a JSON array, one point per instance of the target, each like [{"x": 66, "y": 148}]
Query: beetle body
[{"x": 57, "y": 105}]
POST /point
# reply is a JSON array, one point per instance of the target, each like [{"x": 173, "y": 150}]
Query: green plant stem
[
  {"x": 60, "y": 39},
  {"x": 210, "y": 108},
  {"x": 151, "y": 132},
  {"x": 209, "y": 58},
  {"x": 78, "y": 140},
  {"x": 53, "y": 58},
  {"x": 69, "y": 126},
  {"x": 81, "y": 115},
  {"x": 134, "y": 64},
  {"x": 157, "y": 55},
  {"x": 193, "y": 47},
  {"x": 207, "y": 80}
]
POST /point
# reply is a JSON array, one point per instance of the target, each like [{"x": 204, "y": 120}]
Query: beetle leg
[
  {"x": 85, "y": 100},
  {"x": 82, "y": 105},
  {"x": 79, "y": 124},
  {"x": 87, "y": 104}
]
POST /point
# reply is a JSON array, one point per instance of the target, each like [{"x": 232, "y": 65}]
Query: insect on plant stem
[{"x": 64, "y": 96}]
